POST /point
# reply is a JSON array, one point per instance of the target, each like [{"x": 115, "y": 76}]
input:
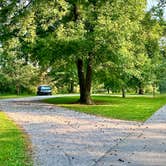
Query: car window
[{"x": 46, "y": 88}]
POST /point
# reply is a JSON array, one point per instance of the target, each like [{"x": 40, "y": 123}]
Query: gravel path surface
[{"x": 62, "y": 137}]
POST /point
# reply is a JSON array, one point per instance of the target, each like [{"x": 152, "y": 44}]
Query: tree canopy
[{"x": 118, "y": 42}]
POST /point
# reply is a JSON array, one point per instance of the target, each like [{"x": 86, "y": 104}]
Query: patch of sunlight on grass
[{"x": 134, "y": 108}]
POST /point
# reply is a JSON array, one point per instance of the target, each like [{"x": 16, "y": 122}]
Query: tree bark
[
  {"x": 81, "y": 77},
  {"x": 85, "y": 81},
  {"x": 154, "y": 90},
  {"x": 140, "y": 90},
  {"x": 85, "y": 78},
  {"x": 88, "y": 81},
  {"x": 71, "y": 87},
  {"x": 123, "y": 93},
  {"x": 108, "y": 90},
  {"x": 17, "y": 89}
]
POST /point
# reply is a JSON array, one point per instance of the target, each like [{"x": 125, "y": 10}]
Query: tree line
[{"x": 117, "y": 44}]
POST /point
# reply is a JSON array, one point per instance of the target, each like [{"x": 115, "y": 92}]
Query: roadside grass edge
[{"x": 23, "y": 139}]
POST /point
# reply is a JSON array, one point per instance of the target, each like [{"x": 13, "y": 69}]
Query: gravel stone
[{"x": 62, "y": 137}]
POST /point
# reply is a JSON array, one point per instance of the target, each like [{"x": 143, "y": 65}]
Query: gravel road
[{"x": 62, "y": 137}]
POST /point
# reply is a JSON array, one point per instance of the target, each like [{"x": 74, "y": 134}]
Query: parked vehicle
[{"x": 44, "y": 90}]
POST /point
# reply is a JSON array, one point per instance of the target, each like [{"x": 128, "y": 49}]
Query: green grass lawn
[
  {"x": 13, "y": 144},
  {"x": 6, "y": 96},
  {"x": 130, "y": 108}
]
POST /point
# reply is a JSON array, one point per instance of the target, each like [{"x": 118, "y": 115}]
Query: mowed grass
[
  {"x": 13, "y": 144},
  {"x": 6, "y": 96},
  {"x": 130, "y": 108}
]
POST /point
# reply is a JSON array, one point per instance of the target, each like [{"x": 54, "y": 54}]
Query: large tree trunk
[
  {"x": 85, "y": 80},
  {"x": 85, "y": 77},
  {"x": 81, "y": 77},
  {"x": 88, "y": 82}
]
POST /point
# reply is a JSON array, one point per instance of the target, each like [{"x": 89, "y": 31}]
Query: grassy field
[
  {"x": 131, "y": 108},
  {"x": 13, "y": 144},
  {"x": 13, "y": 96}
]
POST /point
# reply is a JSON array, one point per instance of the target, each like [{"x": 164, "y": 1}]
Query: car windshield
[{"x": 46, "y": 88}]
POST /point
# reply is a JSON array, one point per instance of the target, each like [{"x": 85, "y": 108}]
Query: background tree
[
  {"x": 90, "y": 34},
  {"x": 86, "y": 33},
  {"x": 64, "y": 76}
]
